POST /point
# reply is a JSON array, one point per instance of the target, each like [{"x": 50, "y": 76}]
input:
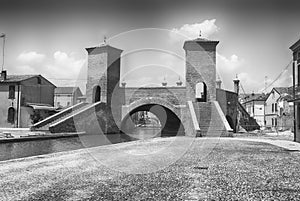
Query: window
[
  {"x": 11, "y": 115},
  {"x": 275, "y": 121},
  {"x": 201, "y": 92},
  {"x": 281, "y": 112},
  {"x": 39, "y": 81},
  {"x": 275, "y": 107},
  {"x": 272, "y": 107},
  {"x": 298, "y": 116},
  {"x": 68, "y": 103},
  {"x": 272, "y": 122},
  {"x": 11, "y": 92}
]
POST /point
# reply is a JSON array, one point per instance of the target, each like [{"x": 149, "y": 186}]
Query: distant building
[
  {"x": 296, "y": 80},
  {"x": 66, "y": 96},
  {"x": 255, "y": 106},
  {"x": 278, "y": 111},
  {"x": 81, "y": 99},
  {"x": 25, "y": 99}
]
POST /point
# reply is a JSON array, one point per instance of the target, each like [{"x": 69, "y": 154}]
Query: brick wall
[
  {"x": 201, "y": 67},
  {"x": 103, "y": 71},
  {"x": 228, "y": 102},
  {"x": 173, "y": 95}
]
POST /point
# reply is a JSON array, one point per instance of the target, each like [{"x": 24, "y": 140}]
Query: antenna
[{"x": 266, "y": 82}]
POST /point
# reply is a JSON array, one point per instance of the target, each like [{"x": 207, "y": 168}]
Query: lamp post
[{"x": 2, "y": 35}]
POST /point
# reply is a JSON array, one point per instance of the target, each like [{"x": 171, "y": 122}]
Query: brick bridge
[
  {"x": 167, "y": 103},
  {"x": 196, "y": 109}
]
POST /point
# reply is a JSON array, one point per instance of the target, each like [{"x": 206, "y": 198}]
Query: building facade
[
  {"x": 255, "y": 107},
  {"x": 295, "y": 48},
  {"x": 278, "y": 111},
  {"x": 66, "y": 96},
  {"x": 24, "y": 99}
]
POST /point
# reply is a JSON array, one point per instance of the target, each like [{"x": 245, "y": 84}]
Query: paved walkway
[{"x": 292, "y": 146}]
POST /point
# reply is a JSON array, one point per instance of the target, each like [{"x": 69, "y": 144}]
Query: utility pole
[
  {"x": 294, "y": 103},
  {"x": 2, "y": 35},
  {"x": 266, "y": 82}
]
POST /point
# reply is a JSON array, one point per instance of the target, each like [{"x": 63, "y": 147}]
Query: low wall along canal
[{"x": 19, "y": 149}]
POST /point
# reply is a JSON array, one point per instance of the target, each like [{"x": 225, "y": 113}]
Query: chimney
[
  {"x": 3, "y": 75},
  {"x": 236, "y": 83}
]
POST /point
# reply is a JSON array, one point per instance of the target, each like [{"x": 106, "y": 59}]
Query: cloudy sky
[{"x": 49, "y": 37}]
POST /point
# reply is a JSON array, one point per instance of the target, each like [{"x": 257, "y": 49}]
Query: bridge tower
[
  {"x": 103, "y": 73},
  {"x": 103, "y": 78},
  {"x": 201, "y": 69}
]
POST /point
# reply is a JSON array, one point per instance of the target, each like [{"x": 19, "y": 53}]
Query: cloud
[
  {"x": 26, "y": 69},
  {"x": 61, "y": 68},
  {"x": 227, "y": 68},
  {"x": 191, "y": 31},
  {"x": 31, "y": 57},
  {"x": 64, "y": 66},
  {"x": 232, "y": 63}
]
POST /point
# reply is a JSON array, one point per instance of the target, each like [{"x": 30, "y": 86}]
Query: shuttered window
[{"x": 11, "y": 92}]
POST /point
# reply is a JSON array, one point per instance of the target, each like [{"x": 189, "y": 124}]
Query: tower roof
[
  {"x": 199, "y": 43},
  {"x": 102, "y": 48}
]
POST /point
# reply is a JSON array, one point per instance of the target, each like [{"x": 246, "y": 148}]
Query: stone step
[{"x": 46, "y": 127}]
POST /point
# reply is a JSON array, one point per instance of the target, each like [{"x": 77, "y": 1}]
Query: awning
[{"x": 39, "y": 106}]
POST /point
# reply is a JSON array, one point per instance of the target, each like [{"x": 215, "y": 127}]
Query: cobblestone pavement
[{"x": 212, "y": 169}]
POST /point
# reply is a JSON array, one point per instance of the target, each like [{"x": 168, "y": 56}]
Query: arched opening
[
  {"x": 201, "y": 92},
  {"x": 149, "y": 121},
  {"x": 96, "y": 94},
  {"x": 11, "y": 115}
]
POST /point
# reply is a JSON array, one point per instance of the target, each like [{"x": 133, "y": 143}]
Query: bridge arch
[{"x": 168, "y": 114}]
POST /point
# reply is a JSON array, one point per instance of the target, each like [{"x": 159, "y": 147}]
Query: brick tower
[
  {"x": 201, "y": 69},
  {"x": 103, "y": 73}
]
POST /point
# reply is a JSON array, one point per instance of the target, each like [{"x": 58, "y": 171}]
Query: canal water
[{"x": 12, "y": 150}]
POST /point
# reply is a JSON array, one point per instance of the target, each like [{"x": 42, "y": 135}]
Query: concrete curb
[{"x": 289, "y": 145}]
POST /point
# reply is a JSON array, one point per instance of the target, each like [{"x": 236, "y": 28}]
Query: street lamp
[{"x": 2, "y": 35}]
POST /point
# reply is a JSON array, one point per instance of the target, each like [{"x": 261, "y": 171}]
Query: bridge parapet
[{"x": 173, "y": 95}]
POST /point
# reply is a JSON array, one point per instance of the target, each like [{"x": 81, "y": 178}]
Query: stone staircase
[
  {"x": 203, "y": 113},
  {"x": 58, "y": 117},
  {"x": 77, "y": 120},
  {"x": 212, "y": 121},
  {"x": 246, "y": 121}
]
